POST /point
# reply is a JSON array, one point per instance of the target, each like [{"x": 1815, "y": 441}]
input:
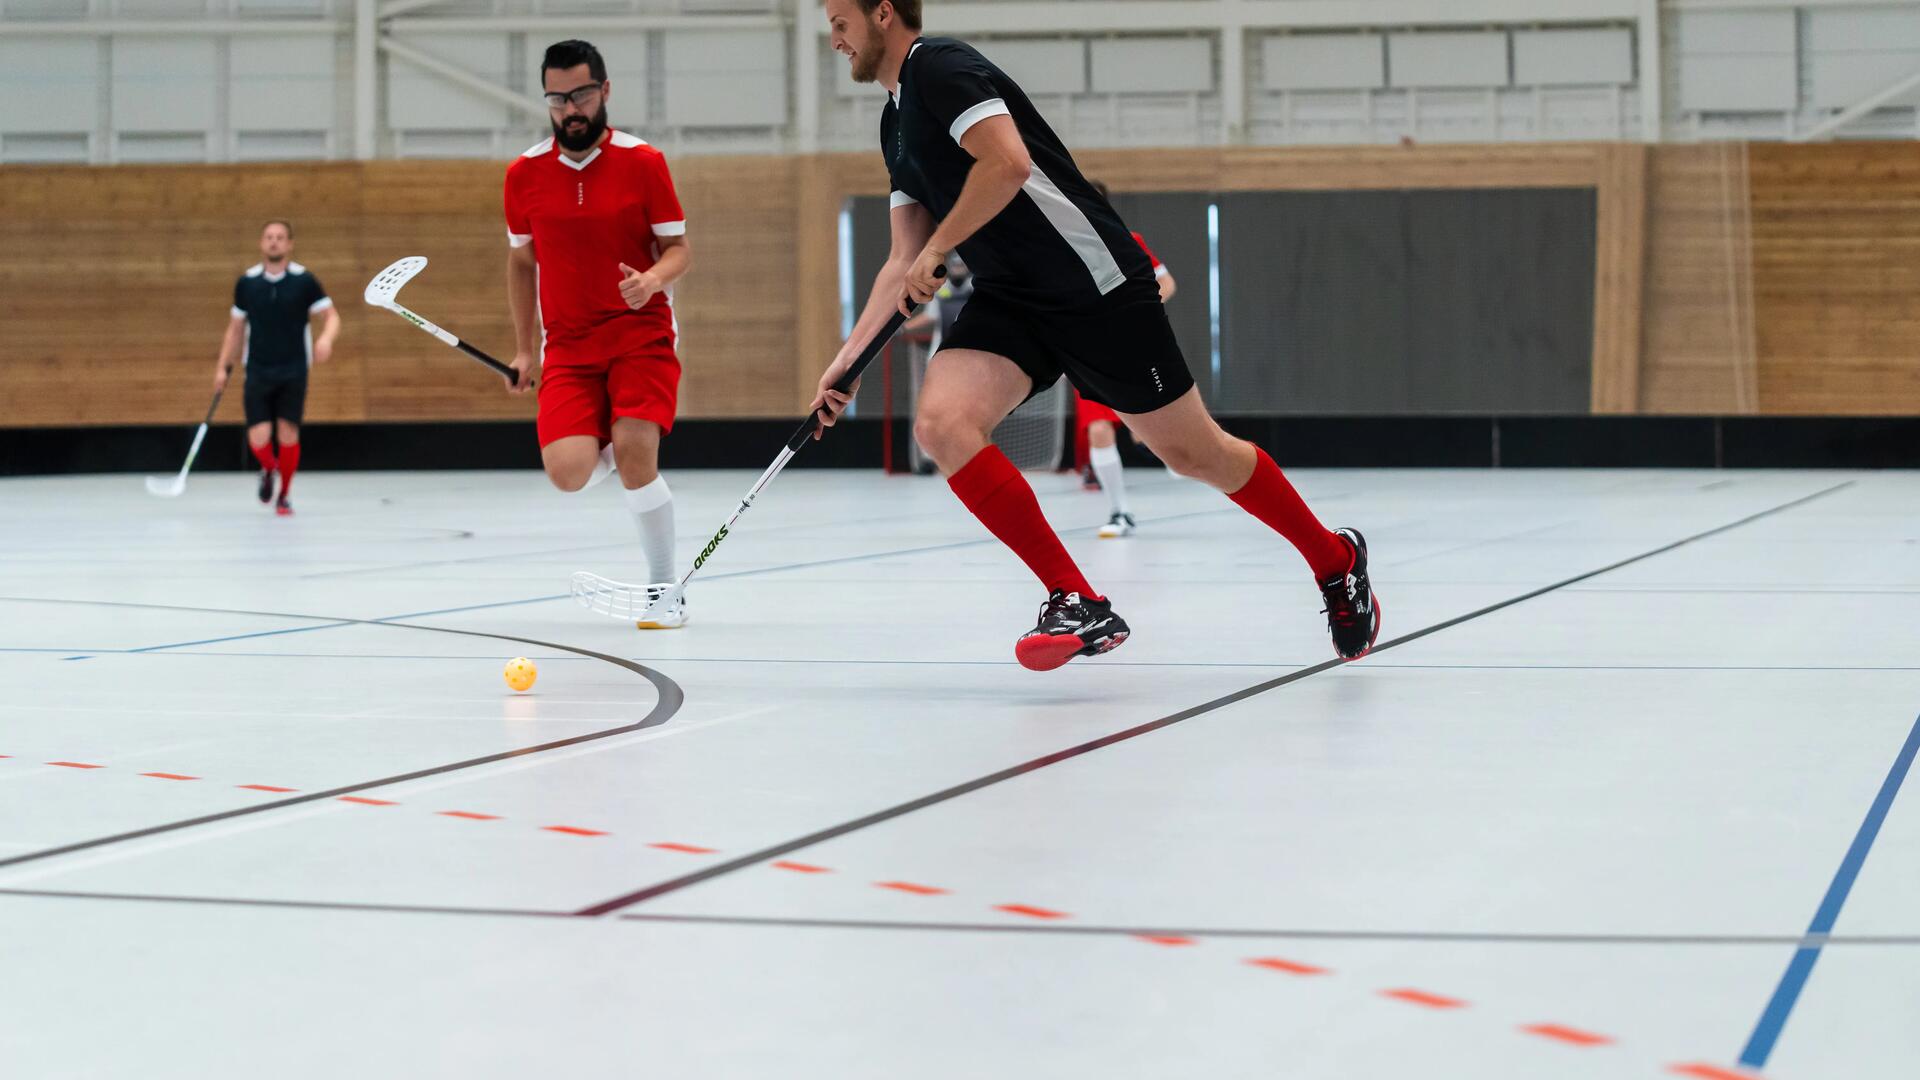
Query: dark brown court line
[
  {"x": 670, "y": 699},
  {"x": 787, "y": 847}
]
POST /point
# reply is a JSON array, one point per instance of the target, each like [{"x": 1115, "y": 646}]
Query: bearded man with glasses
[{"x": 597, "y": 239}]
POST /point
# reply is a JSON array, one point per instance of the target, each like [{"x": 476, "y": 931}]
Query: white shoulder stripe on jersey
[
  {"x": 899, "y": 199},
  {"x": 539, "y": 148},
  {"x": 1076, "y": 230},
  {"x": 625, "y": 141},
  {"x": 966, "y": 120},
  {"x": 670, "y": 228}
]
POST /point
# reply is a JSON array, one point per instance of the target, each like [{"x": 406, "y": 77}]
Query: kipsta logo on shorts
[{"x": 1157, "y": 384}]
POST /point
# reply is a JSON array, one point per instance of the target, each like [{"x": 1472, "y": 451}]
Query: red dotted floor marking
[
  {"x": 1421, "y": 997},
  {"x": 1560, "y": 1033},
  {"x": 1564, "y": 1034},
  {"x": 1291, "y": 967},
  {"x": 1030, "y": 911},
  {"x": 910, "y": 887}
]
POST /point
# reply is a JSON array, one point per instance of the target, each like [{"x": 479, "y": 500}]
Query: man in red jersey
[
  {"x": 597, "y": 232},
  {"x": 1097, "y": 426}
]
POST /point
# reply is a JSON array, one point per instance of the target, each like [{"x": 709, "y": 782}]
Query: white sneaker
[
  {"x": 1117, "y": 526},
  {"x": 671, "y": 615}
]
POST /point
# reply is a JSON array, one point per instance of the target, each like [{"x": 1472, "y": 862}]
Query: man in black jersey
[
  {"x": 270, "y": 332},
  {"x": 1060, "y": 287}
]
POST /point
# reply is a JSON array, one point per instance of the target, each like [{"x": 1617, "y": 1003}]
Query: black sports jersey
[
  {"x": 1058, "y": 245},
  {"x": 277, "y": 310}
]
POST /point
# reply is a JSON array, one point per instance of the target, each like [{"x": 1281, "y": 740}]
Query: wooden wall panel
[
  {"x": 114, "y": 282},
  {"x": 1836, "y": 277},
  {"x": 1698, "y": 344}
]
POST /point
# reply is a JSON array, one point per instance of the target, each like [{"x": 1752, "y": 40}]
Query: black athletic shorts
[
  {"x": 275, "y": 399},
  {"x": 1120, "y": 352}
]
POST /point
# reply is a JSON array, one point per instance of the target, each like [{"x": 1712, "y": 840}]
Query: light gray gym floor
[{"x": 1625, "y": 783}]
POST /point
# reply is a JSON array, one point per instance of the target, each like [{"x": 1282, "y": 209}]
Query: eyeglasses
[{"x": 580, "y": 95}]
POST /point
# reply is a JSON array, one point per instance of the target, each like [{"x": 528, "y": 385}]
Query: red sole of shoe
[{"x": 1047, "y": 653}]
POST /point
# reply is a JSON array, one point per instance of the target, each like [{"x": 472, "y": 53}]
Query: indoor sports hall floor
[{"x": 1626, "y": 805}]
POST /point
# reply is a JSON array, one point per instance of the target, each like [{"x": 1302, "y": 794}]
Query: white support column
[
  {"x": 807, "y": 20},
  {"x": 1653, "y": 108},
  {"x": 366, "y": 58},
  {"x": 1233, "y": 82}
]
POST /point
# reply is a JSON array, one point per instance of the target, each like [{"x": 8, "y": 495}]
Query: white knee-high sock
[
  {"x": 652, "y": 508},
  {"x": 603, "y": 468},
  {"x": 1113, "y": 476}
]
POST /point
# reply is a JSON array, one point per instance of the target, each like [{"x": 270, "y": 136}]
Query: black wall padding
[{"x": 1406, "y": 302}]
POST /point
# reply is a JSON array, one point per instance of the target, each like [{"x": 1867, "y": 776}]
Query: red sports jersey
[
  {"x": 1159, "y": 270},
  {"x": 585, "y": 218}
]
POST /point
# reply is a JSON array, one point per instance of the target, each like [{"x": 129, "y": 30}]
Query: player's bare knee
[
  {"x": 1100, "y": 434},
  {"x": 947, "y": 437}
]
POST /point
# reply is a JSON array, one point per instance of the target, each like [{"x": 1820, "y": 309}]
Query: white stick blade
[
  {"x": 614, "y": 599},
  {"x": 166, "y": 486},
  {"x": 386, "y": 284}
]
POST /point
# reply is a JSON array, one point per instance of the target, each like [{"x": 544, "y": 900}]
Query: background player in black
[
  {"x": 274, "y": 303},
  {"x": 1060, "y": 287}
]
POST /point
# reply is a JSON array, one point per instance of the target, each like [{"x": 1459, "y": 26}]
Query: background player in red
[
  {"x": 270, "y": 331},
  {"x": 1097, "y": 426},
  {"x": 594, "y": 224}
]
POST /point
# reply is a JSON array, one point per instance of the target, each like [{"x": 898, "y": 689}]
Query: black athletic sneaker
[
  {"x": 283, "y": 507},
  {"x": 1070, "y": 625},
  {"x": 1353, "y": 612},
  {"x": 266, "y": 485}
]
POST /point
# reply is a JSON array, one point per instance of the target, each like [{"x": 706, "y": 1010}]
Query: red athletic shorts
[
  {"x": 585, "y": 399},
  {"x": 1086, "y": 412}
]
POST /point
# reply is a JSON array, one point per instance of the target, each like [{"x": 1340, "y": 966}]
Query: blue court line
[{"x": 1774, "y": 1019}]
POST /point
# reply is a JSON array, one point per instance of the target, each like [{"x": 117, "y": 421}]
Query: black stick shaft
[{"x": 866, "y": 357}]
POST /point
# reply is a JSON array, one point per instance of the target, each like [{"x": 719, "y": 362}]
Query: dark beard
[
  {"x": 584, "y": 140},
  {"x": 866, "y": 66}
]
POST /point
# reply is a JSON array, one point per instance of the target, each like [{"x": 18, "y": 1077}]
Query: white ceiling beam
[
  {"x": 463, "y": 78},
  {"x": 512, "y": 24},
  {"x": 1833, "y": 124},
  {"x": 166, "y": 27}
]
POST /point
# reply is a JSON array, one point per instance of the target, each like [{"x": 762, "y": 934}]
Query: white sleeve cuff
[
  {"x": 515, "y": 239},
  {"x": 236, "y": 313},
  {"x": 989, "y": 107},
  {"x": 321, "y": 304},
  {"x": 1161, "y": 271},
  {"x": 670, "y": 228},
  {"x": 900, "y": 199}
]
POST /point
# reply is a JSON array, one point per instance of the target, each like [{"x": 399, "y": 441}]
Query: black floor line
[
  {"x": 670, "y": 699},
  {"x": 1471, "y": 937},
  {"x": 673, "y": 885},
  {"x": 308, "y": 905},
  {"x": 1198, "y": 932}
]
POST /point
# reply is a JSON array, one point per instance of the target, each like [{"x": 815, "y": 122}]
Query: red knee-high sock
[
  {"x": 289, "y": 464},
  {"x": 1269, "y": 497},
  {"x": 1000, "y": 497},
  {"x": 264, "y": 452}
]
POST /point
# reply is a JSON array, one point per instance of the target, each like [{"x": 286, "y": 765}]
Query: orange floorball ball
[{"x": 520, "y": 673}]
